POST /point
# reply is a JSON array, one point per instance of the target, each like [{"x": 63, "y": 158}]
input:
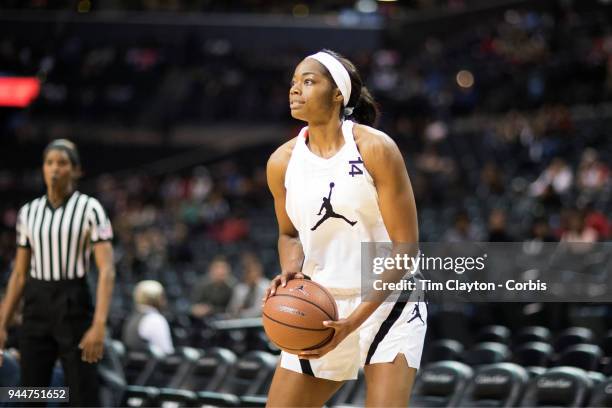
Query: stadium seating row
[{"x": 217, "y": 377}]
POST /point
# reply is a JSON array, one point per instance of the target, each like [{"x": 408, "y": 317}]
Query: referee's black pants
[{"x": 56, "y": 315}]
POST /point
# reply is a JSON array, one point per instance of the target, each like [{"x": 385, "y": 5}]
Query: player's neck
[
  {"x": 325, "y": 139},
  {"x": 57, "y": 196}
]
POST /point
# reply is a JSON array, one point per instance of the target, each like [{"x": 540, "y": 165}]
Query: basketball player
[
  {"x": 55, "y": 236},
  {"x": 356, "y": 174}
]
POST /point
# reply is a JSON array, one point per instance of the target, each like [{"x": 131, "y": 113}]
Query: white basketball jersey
[{"x": 334, "y": 206}]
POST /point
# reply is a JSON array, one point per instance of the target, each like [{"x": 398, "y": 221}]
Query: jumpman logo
[
  {"x": 301, "y": 289},
  {"x": 329, "y": 210},
  {"x": 416, "y": 313}
]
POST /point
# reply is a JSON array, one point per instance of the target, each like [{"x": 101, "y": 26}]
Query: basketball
[{"x": 293, "y": 318}]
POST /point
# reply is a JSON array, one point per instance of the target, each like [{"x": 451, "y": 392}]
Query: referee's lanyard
[{"x": 51, "y": 302}]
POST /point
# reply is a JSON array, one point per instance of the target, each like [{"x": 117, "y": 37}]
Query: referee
[{"x": 56, "y": 234}]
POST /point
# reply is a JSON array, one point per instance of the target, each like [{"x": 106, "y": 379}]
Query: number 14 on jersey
[{"x": 355, "y": 169}]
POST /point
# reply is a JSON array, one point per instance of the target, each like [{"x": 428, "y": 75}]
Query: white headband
[{"x": 339, "y": 74}]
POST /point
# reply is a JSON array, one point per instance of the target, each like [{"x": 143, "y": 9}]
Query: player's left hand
[
  {"x": 92, "y": 344},
  {"x": 342, "y": 328}
]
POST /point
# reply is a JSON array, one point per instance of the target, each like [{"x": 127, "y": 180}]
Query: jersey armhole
[{"x": 366, "y": 172}]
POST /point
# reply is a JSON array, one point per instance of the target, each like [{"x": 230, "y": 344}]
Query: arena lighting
[
  {"x": 465, "y": 79},
  {"x": 18, "y": 92}
]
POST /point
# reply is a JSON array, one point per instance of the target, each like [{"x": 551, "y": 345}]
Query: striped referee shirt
[{"x": 61, "y": 239}]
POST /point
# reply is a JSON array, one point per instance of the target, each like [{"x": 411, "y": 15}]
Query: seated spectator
[
  {"x": 247, "y": 295},
  {"x": 146, "y": 325},
  {"x": 577, "y": 230},
  {"x": 497, "y": 227},
  {"x": 540, "y": 231},
  {"x": 592, "y": 174},
  {"x": 491, "y": 180},
  {"x": 598, "y": 221},
  {"x": 558, "y": 176},
  {"x": 462, "y": 230},
  {"x": 213, "y": 293}
]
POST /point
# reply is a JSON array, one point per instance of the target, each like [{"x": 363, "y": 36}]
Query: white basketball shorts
[{"x": 394, "y": 328}]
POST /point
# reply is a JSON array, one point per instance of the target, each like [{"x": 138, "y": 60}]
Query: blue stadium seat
[
  {"x": 110, "y": 373},
  {"x": 173, "y": 398},
  {"x": 606, "y": 344},
  {"x": 533, "y": 354},
  {"x": 495, "y": 385},
  {"x": 172, "y": 369},
  {"x": 596, "y": 377},
  {"x": 357, "y": 396},
  {"x": 487, "y": 353},
  {"x": 494, "y": 333},
  {"x": 249, "y": 376},
  {"x": 209, "y": 371},
  {"x": 585, "y": 356},
  {"x": 572, "y": 336},
  {"x": 602, "y": 395},
  {"x": 9, "y": 371},
  {"x": 140, "y": 396},
  {"x": 532, "y": 333},
  {"x": 442, "y": 350},
  {"x": 140, "y": 365},
  {"x": 558, "y": 387},
  {"x": 440, "y": 384}
]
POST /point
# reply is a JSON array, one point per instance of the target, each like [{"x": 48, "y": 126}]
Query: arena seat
[
  {"x": 9, "y": 371},
  {"x": 344, "y": 394},
  {"x": 572, "y": 336},
  {"x": 443, "y": 350},
  {"x": 606, "y": 347},
  {"x": 602, "y": 395},
  {"x": 533, "y": 354},
  {"x": 173, "y": 398},
  {"x": 249, "y": 376},
  {"x": 532, "y": 333},
  {"x": 596, "y": 377},
  {"x": 440, "y": 384},
  {"x": 139, "y": 365},
  {"x": 172, "y": 369},
  {"x": 486, "y": 353},
  {"x": 494, "y": 333},
  {"x": 535, "y": 371},
  {"x": 208, "y": 372},
  {"x": 495, "y": 385},
  {"x": 585, "y": 356},
  {"x": 118, "y": 349},
  {"x": 110, "y": 372},
  {"x": 606, "y": 344},
  {"x": 207, "y": 399},
  {"x": 140, "y": 396},
  {"x": 358, "y": 395},
  {"x": 558, "y": 387}
]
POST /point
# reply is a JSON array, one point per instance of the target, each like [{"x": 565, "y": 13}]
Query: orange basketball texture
[{"x": 293, "y": 318}]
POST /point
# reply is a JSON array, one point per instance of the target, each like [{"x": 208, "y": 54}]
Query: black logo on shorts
[
  {"x": 329, "y": 210},
  {"x": 416, "y": 313}
]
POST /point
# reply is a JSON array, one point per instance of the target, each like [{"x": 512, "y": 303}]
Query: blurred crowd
[
  {"x": 245, "y": 6},
  {"x": 500, "y": 127},
  {"x": 520, "y": 60}
]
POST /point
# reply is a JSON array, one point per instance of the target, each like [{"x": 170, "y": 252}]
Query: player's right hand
[
  {"x": 3, "y": 336},
  {"x": 281, "y": 280}
]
